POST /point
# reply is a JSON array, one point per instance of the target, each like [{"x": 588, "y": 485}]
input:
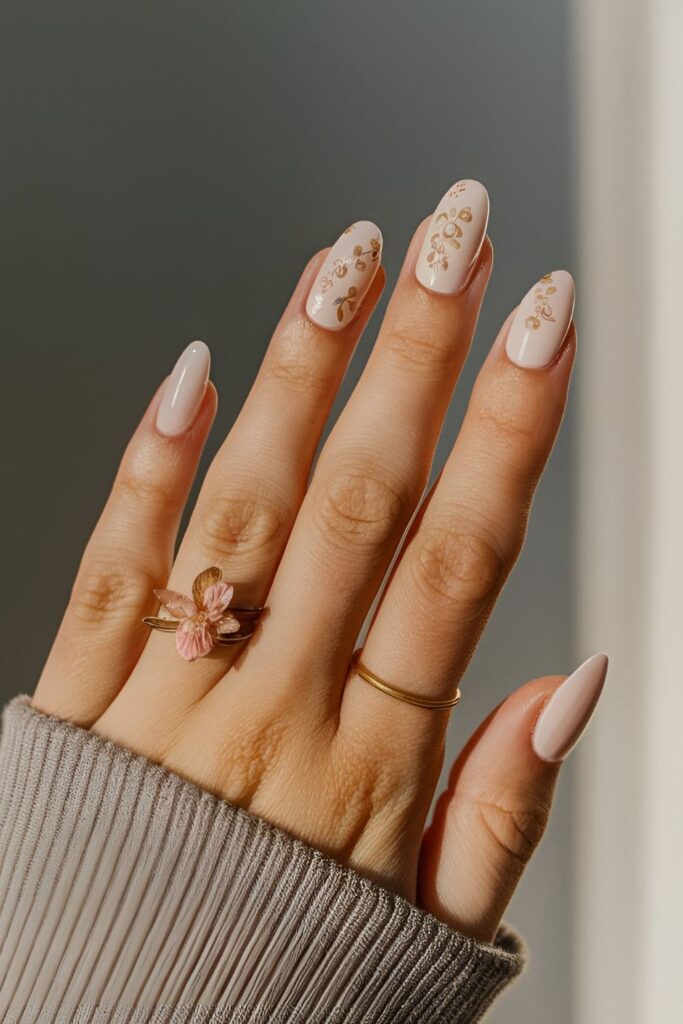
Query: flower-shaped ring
[{"x": 206, "y": 619}]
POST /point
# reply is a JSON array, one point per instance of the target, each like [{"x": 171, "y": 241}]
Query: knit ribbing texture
[{"x": 130, "y": 896}]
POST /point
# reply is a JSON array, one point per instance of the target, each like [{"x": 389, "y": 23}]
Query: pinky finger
[
  {"x": 492, "y": 816},
  {"x": 131, "y": 549}
]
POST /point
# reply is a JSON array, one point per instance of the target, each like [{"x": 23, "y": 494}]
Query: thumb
[{"x": 492, "y": 816}]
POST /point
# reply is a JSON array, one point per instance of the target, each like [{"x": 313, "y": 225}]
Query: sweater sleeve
[{"x": 130, "y": 895}]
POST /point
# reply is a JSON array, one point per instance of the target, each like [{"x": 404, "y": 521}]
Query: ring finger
[
  {"x": 256, "y": 482},
  {"x": 462, "y": 546}
]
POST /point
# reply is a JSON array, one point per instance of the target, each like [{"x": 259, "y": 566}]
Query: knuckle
[
  {"x": 141, "y": 487},
  {"x": 246, "y": 761},
  {"x": 511, "y": 414},
  {"x": 516, "y": 831},
  {"x": 506, "y": 427},
  {"x": 109, "y": 590},
  {"x": 360, "y": 507},
  {"x": 458, "y": 564},
  {"x": 244, "y": 524},
  {"x": 289, "y": 363},
  {"x": 233, "y": 765},
  {"x": 417, "y": 350},
  {"x": 360, "y": 787}
]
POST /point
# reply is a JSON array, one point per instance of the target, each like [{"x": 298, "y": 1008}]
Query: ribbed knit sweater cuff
[{"x": 130, "y": 895}]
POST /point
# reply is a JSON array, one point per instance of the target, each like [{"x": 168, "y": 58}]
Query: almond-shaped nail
[
  {"x": 184, "y": 390},
  {"x": 454, "y": 238},
  {"x": 541, "y": 322},
  {"x": 345, "y": 276},
  {"x": 569, "y": 710}
]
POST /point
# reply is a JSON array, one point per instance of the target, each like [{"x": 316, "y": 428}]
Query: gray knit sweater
[{"x": 129, "y": 896}]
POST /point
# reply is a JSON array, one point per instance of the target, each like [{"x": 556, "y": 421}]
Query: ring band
[
  {"x": 408, "y": 698},
  {"x": 246, "y": 616}
]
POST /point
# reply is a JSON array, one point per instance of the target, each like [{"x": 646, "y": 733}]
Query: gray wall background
[{"x": 167, "y": 169}]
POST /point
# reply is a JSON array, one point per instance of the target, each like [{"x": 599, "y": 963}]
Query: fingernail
[
  {"x": 569, "y": 710},
  {"x": 347, "y": 273},
  {"x": 454, "y": 238},
  {"x": 184, "y": 391},
  {"x": 541, "y": 321}
]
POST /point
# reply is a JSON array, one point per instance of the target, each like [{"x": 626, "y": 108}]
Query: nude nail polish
[
  {"x": 184, "y": 390},
  {"x": 335, "y": 299},
  {"x": 541, "y": 322},
  {"x": 454, "y": 238},
  {"x": 567, "y": 713}
]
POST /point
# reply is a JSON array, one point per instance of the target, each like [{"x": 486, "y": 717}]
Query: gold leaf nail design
[
  {"x": 543, "y": 309},
  {"x": 349, "y": 300}
]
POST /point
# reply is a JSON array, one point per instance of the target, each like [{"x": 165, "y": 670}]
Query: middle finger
[{"x": 375, "y": 465}]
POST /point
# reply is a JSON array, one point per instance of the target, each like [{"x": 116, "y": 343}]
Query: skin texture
[{"x": 279, "y": 726}]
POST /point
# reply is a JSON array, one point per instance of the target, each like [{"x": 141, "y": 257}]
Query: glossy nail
[
  {"x": 184, "y": 390},
  {"x": 347, "y": 273},
  {"x": 569, "y": 710},
  {"x": 541, "y": 321},
  {"x": 454, "y": 238}
]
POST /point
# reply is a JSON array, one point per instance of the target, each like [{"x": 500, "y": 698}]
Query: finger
[
  {"x": 463, "y": 545},
  {"x": 256, "y": 482},
  {"x": 373, "y": 469},
  {"x": 492, "y": 817},
  {"x": 131, "y": 549}
]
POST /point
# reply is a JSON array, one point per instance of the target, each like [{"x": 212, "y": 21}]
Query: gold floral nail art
[
  {"x": 338, "y": 269},
  {"x": 448, "y": 236},
  {"x": 359, "y": 253},
  {"x": 338, "y": 291},
  {"x": 454, "y": 238},
  {"x": 543, "y": 309},
  {"x": 541, "y": 322},
  {"x": 359, "y": 258}
]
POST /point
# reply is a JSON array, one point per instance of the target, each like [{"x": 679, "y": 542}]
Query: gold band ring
[{"x": 408, "y": 698}]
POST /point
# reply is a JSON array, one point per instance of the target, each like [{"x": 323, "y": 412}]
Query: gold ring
[{"x": 408, "y": 698}]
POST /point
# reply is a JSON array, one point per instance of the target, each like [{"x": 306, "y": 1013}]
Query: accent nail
[
  {"x": 184, "y": 391},
  {"x": 454, "y": 238},
  {"x": 347, "y": 273},
  {"x": 569, "y": 710},
  {"x": 541, "y": 321}
]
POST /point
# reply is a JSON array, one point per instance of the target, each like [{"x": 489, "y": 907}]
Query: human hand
[{"x": 280, "y": 725}]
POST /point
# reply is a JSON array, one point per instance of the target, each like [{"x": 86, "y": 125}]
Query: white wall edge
[
  {"x": 630, "y": 500},
  {"x": 663, "y": 779}
]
